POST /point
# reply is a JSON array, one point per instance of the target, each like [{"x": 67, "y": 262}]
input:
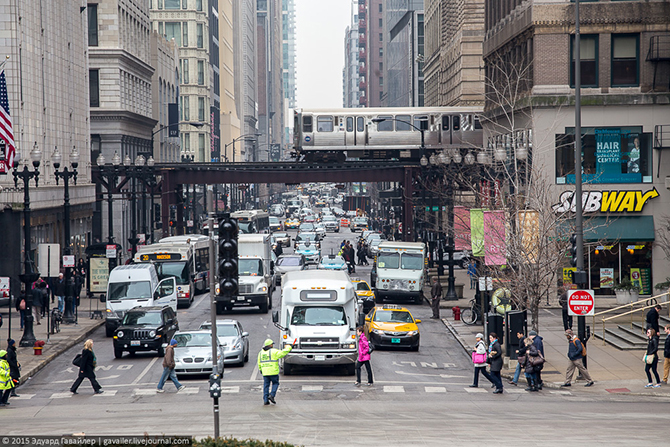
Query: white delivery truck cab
[
  {"x": 136, "y": 285},
  {"x": 400, "y": 271},
  {"x": 320, "y": 309},
  {"x": 256, "y": 274}
]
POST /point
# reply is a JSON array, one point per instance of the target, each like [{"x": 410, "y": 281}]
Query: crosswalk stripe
[
  {"x": 515, "y": 391},
  {"x": 394, "y": 389},
  {"x": 107, "y": 393},
  {"x": 61, "y": 395},
  {"x": 562, "y": 393},
  {"x": 475, "y": 390},
  {"x": 23, "y": 397},
  {"x": 190, "y": 390},
  {"x": 435, "y": 389},
  {"x": 140, "y": 392},
  {"x": 312, "y": 388},
  {"x": 230, "y": 389}
]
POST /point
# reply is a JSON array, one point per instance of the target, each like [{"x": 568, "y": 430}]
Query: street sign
[
  {"x": 189, "y": 223},
  {"x": 48, "y": 260},
  {"x": 581, "y": 302},
  {"x": 68, "y": 260},
  {"x": 4, "y": 286},
  {"x": 110, "y": 251}
]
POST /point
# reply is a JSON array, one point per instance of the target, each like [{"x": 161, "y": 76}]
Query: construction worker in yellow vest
[{"x": 268, "y": 363}]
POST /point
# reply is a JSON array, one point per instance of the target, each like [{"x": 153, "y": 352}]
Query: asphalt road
[{"x": 419, "y": 398}]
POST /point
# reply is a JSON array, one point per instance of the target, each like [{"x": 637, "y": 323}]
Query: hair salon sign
[{"x": 605, "y": 201}]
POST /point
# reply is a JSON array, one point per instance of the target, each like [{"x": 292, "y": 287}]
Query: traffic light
[
  {"x": 573, "y": 250},
  {"x": 228, "y": 275}
]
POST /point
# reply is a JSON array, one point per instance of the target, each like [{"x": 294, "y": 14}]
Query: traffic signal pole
[{"x": 215, "y": 378}]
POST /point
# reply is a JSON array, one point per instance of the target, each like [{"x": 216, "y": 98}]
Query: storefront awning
[{"x": 625, "y": 228}]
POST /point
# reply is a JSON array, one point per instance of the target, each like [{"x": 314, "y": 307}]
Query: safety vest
[
  {"x": 6, "y": 381},
  {"x": 268, "y": 361}
]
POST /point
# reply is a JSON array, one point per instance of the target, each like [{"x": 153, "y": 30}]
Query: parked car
[
  {"x": 145, "y": 329},
  {"x": 193, "y": 353},
  {"x": 234, "y": 340},
  {"x": 462, "y": 258},
  {"x": 289, "y": 263}
]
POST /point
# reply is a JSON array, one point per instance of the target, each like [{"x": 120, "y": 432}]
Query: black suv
[{"x": 145, "y": 329}]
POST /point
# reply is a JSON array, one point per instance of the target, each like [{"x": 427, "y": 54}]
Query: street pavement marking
[
  {"x": 146, "y": 370},
  {"x": 230, "y": 389},
  {"x": 24, "y": 396},
  {"x": 61, "y": 395},
  {"x": 435, "y": 389},
  {"x": 562, "y": 393},
  {"x": 475, "y": 390},
  {"x": 511, "y": 390},
  {"x": 312, "y": 387},
  {"x": 107, "y": 393},
  {"x": 190, "y": 390},
  {"x": 394, "y": 389},
  {"x": 140, "y": 392}
]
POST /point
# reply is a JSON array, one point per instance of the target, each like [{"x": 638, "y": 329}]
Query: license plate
[
  {"x": 395, "y": 340},
  {"x": 319, "y": 358},
  {"x": 134, "y": 342},
  {"x": 240, "y": 298}
]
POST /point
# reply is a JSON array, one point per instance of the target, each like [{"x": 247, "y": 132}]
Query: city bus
[{"x": 252, "y": 221}]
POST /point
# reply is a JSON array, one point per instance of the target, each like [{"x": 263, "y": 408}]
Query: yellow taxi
[
  {"x": 390, "y": 326},
  {"x": 365, "y": 294},
  {"x": 291, "y": 223}
]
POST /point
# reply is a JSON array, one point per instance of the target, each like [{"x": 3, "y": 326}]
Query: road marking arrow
[{"x": 444, "y": 376}]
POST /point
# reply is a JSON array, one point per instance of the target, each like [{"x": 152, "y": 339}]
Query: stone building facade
[{"x": 164, "y": 87}]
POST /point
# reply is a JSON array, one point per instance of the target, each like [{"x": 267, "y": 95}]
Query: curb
[{"x": 60, "y": 348}]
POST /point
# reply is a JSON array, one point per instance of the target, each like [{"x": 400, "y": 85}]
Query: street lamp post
[
  {"x": 233, "y": 189},
  {"x": 111, "y": 172},
  {"x": 66, "y": 175},
  {"x": 30, "y": 273}
]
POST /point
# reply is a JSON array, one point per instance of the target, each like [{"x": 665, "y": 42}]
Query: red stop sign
[{"x": 581, "y": 302}]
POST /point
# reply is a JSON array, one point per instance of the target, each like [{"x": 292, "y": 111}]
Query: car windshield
[
  {"x": 189, "y": 340},
  {"x": 142, "y": 318},
  {"x": 306, "y": 237},
  {"x": 329, "y": 218},
  {"x": 334, "y": 261},
  {"x": 318, "y": 316},
  {"x": 393, "y": 316},
  {"x": 362, "y": 286},
  {"x": 274, "y": 220},
  {"x": 306, "y": 226},
  {"x": 222, "y": 330},
  {"x": 288, "y": 261},
  {"x": 388, "y": 260},
  {"x": 247, "y": 227},
  {"x": 179, "y": 270},
  {"x": 306, "y": 246},
  {"x": 250, "y": 267},
  {"x": 280, "y": 235},
  {"x": 412, "y": 261},
  {"x": 131, "y": 290}
]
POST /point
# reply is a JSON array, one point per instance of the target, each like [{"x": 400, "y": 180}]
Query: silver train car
[{"x": 333, "y": 135}]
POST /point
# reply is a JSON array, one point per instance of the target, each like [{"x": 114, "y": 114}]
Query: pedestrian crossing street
[{"x": 385, "y": 389}]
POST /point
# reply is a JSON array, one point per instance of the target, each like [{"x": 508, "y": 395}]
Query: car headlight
[
  {"x": 119, "y": 334},
  {"x": 412, "y": 333},
  {"x": 237, "y": 345},
  {"x": 377, "y": 331},
  {"x": 152, "y": 334},
  {"x": 262, "y": 288},
  {"x": 348, "y": 345}
]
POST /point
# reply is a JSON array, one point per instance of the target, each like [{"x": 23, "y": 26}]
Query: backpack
[
  {"x": 77, "y": 360},
  {"x": 583, "y": 347}
]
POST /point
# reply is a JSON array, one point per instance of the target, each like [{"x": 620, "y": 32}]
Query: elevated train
[{"x": 385, "y": 133}]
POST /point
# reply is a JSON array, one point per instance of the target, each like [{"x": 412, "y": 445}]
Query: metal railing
[{"x": 650, "y": 302}]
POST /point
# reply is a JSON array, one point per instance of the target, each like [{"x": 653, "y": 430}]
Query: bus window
[
  {"x": 324, "y": 123},
  {"x": 350, "y": 124},
  {"x": 307, "y": 124},
  {"x": 360, "y": 124},
  {"x": 478, "y": 124},
  {"x": 456, "y": 123},
  {"x": 445, "y": 122},
  {"x": 403, "y": 123},
  {"x": 385, "y": 126}
]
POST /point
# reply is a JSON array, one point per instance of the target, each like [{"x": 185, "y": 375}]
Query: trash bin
[
  {"x": 495, "y": 324},
  {"x": 516, "y": 322}
]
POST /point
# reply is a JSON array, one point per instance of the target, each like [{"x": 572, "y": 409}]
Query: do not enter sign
[{"x": 581, "y": 302}]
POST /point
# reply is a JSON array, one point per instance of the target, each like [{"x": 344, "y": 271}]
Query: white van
[
  {"x": 136, "y": 285},
  {"x": 400, "y": 271},
  {"x": 319, "y": 309}
]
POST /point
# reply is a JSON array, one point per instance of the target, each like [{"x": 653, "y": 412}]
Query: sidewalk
[
  {"x": 56, "y": 344},
  {"x": 613, "y": 370}
]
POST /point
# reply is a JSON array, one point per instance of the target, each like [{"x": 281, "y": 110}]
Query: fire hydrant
[
  {"x": 37, "y": 347},
  {"x": 456, "y": 311}
]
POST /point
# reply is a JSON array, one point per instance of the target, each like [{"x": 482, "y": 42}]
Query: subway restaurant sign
[{"x": 606, "y": 201}]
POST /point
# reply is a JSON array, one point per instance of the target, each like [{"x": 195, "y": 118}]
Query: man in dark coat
[
  {"x": 39, "y": 297},
  {"x": 652, "y": 318},
  {"x": 59, "y": 292},
  {"x": 14, "y": 366},
  {"x": 538, "y": 343},
  {"x": 563, "y": 301},
  {"x": 436, "y": 296}
]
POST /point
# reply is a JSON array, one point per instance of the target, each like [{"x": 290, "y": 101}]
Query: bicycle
[{"x": 472, "y": 314}]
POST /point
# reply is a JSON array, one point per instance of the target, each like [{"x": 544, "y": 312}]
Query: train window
[
  {"x": 307, "y": 124},
  {"x": 385, "y": 126},
  {"x": 403, "y": 123},
  {"x": 466, "y": 123},
  {"x": 456, "y": 122},
  {"x": 324, "y": 123},
  {"x": 350, "y": 124},
  {"x": 478, "y": 124},
  {"x": 360, "y": 124},
  {"x": 445, "y": 122},
  {"x": 421, "y": 121}
]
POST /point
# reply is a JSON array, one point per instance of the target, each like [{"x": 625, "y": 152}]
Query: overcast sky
[{"x": 320, "y": 26}]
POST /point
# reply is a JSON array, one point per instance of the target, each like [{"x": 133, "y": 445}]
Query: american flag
[{"x": 7, "y": 147}]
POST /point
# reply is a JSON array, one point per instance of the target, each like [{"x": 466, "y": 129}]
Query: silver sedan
[
  {"x": 234, "y": 340},
  {"x": 193, "y": 353}
]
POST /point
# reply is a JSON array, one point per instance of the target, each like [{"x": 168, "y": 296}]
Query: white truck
[
  {"x": 319, "y": 309},
  {"x": 256, "y": 274},
  {"x": 400, "y": 271}
]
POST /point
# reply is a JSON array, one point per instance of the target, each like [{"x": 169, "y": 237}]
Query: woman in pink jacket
[{"x": 363, "y": 357}]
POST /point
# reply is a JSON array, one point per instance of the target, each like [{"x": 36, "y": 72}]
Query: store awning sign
[{"x": 606, "y": 201}]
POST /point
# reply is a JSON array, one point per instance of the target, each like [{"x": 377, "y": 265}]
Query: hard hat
[
  {"x": 3, "y": 353},
  {"x": 268, "y": 342}
]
